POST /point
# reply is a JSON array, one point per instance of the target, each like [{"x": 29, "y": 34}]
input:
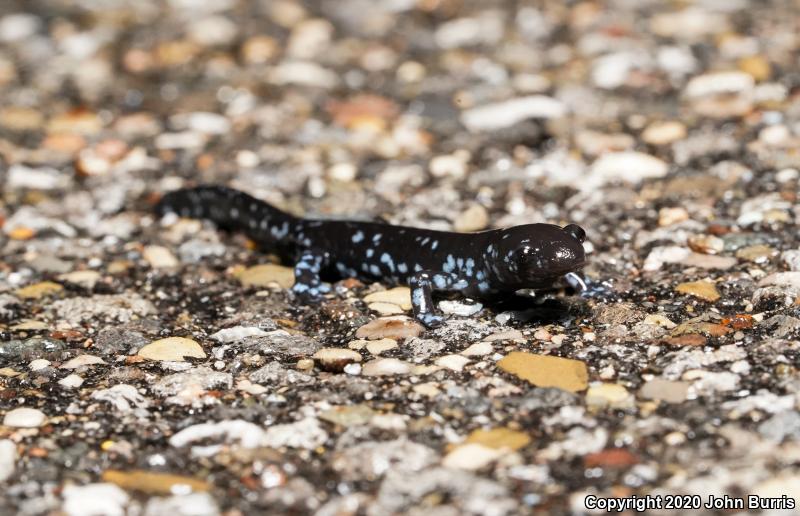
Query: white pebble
[
  {"x": 24, "y": 417},
  {"x": 8, "y": 459},
  {"x": 491, "y": 117},
  {"x": 72, "y": 381},
  {"x": 94, "y": 500}
]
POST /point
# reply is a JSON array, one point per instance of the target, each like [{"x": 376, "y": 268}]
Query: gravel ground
[{"x": 161, "y": 367}]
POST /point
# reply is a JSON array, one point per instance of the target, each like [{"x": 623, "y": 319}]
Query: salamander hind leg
[
  {"x": 307, "y": 283},
  {"x": 422, "y": 285}
]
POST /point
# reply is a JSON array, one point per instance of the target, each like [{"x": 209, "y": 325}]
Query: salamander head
[{"x": 535, "y": 255}]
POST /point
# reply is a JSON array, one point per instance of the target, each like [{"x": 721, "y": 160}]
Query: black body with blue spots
[{"x": 480, "y": 265}]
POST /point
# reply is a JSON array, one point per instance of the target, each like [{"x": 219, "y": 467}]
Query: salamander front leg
[
  {"x": 307, "y": 283},
  {"x": 587, "y": 288},
  {"x": 422, "y": 285}
]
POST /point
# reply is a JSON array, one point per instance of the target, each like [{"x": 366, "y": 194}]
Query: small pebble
[
  {"x": 474, "y": 218},
  {"x": 704, "y": 290},
  {"x": 266, "y": 275},
  {"x": 546, "y": 371},
  {"x": 159, "y": 257},
  {"x": 664, "y": 133},
  {"x": 335, "y": 359},
  {"x": 72, "y": 381},
  {"x": 396, "y": 328},
  {"x": 377, "y": 347},
  {"x": 24, "y": 417},
  {"x": 386, "y": 366},
  {"x": 478, "y": 349},
  {"x": 172, "y": 349},
  {"x": 492, "y": 117},
  {"x": 453, "y": 362}
]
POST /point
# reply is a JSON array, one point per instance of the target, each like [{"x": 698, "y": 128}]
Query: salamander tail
[{"x": 231, "y": 209}]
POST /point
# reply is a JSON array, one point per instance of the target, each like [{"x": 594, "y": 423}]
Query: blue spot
[{"x": 358, "y": 237}]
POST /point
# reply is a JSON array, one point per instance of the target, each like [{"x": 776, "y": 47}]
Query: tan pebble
[
  {"x": 16, "y": 118},
  {"x": 305, "y": 364},
  {"x": 474, "y": 218},
  {"x": 659, "y": 320},
  {"x": 395, "y": 327},
  {"x": 500, "y": 438},
  {"x": 427, "y": 389},
  {"x": 704, "y": 290},
  {"x": 706, "y": 244},
  {"x": 450, "y": 165},
  {"x": 471, "y": 457},
  {"x": 453, "y": 362},
  {"x": 399, "y": 296},
  {"x": 593, "y": 143},
  {"x": 422, "y": 370},
  {"x": 609, "y": 395},
  {"x": 358, "y": 344},
  {"x": 119, "y": 266},
  {"x": 478, "y": 349},
  {"x": 267, "y": 274},
  {"x": 286, "y": 13},
  {"x": 546, "y": 371},
  {"x": 172, "y": 349},
  {"x": 376, "y": 347},
  {"x": 411, "y": 71},
  {"x": 151, "y": 482},
  {"x": 86, "y": 279},
  {"x": 664, "y": 133},
  {"x": 704, "y": 328},
  {"x": 385, "y": 308},
  {"x": 558, "y": 339},
  {"x": 542, "y": 334},
  {"x": 259, "y": 49},
  {"x": 78, "y": 121},
  {"x": 29, "y": 325},
  {"x": 349, "y": 415},
  {"x": 665, "y": 390},
  {"x": 21, "y": 233},
  {"x": 335, "y": 359},
  {"x": 505, "y": 335},
  {"x": 670, "y": 216},
  {"x": 8, "y": 372},
  {"x": 39, "y": 290},
  {"x": 756, "y": 66},
  {"x": 159, "y": 257},
  {"x": 82, "y": 360},
  {"x": 757, "y": 253}
]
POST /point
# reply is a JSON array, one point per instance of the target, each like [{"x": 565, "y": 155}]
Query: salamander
[{"x": 482, "y": 265}]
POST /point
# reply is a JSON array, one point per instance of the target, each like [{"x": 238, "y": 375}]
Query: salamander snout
[
  {"x": 535, "y": 255},
  {"x": 576, "y": 232}
]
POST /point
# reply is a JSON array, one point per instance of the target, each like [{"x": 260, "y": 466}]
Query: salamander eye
[{"x": 576, "y": 232}]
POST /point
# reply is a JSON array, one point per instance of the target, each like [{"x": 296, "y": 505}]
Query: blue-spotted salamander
[{"x": 480, "y": 265}]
